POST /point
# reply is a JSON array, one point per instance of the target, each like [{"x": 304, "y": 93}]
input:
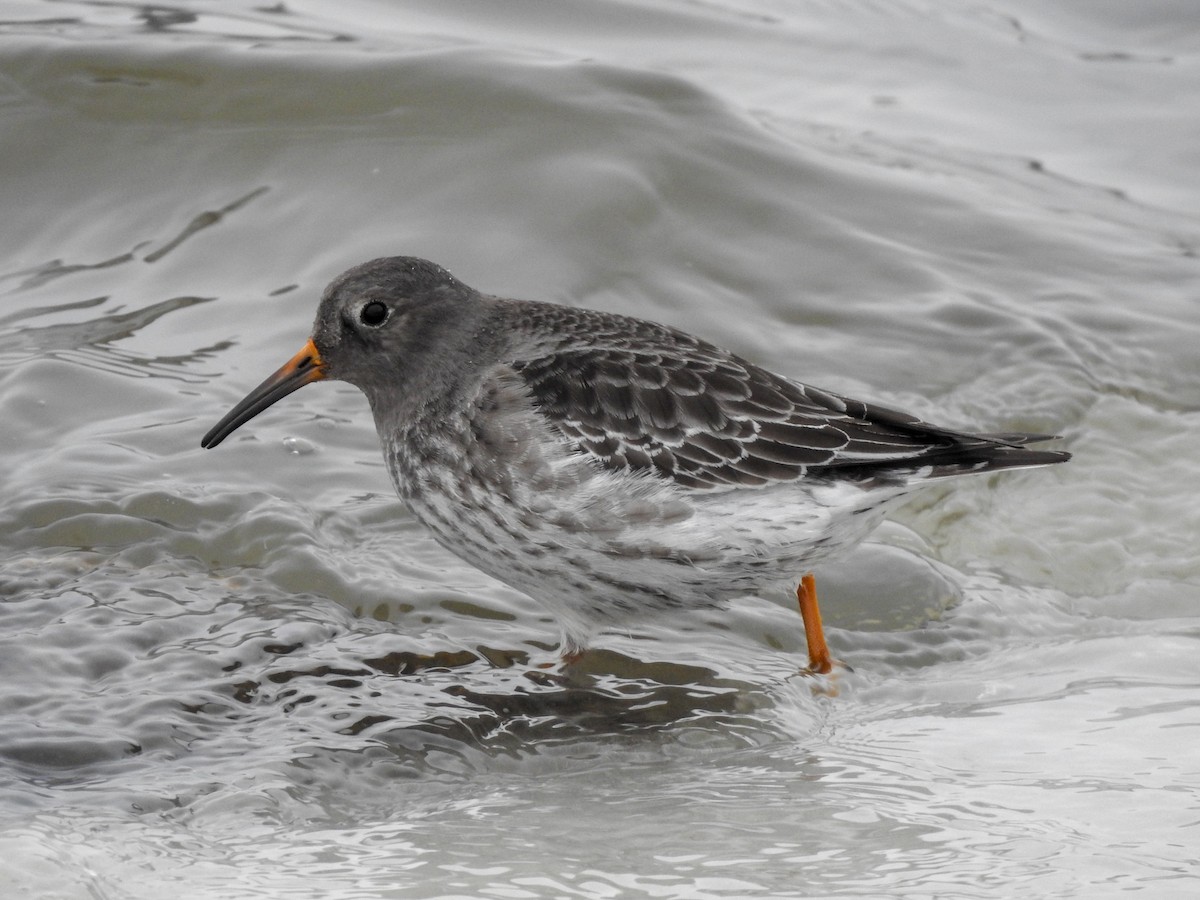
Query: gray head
[{"x": 401, "y": 329}]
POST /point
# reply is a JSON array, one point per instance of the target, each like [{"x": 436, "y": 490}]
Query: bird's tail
[{"x": 991, "y": 453}]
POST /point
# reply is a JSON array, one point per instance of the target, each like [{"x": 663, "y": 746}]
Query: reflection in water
[
  {"x": 56, "y": 268},
  {"x": 204, "y": 220},
  {"x": 88, "y": 342}
]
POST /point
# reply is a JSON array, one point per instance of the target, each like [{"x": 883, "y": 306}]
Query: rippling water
[{"x": 248, "y": 673}]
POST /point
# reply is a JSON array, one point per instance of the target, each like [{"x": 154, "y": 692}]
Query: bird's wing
[{"x": 707, "y": 419}]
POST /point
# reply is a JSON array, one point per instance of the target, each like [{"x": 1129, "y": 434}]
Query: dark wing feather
[{"x": 708, "y": 419}]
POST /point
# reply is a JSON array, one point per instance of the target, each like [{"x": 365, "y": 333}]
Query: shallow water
[{"x": 248, "y": 673}]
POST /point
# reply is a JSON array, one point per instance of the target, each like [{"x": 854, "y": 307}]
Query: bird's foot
[{"x": 570, "y": 655}]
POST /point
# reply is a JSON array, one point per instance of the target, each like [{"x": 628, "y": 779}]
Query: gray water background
[{"x": 247, "y": 673}]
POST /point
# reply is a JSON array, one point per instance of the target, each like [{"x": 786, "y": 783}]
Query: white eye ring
[{"x": 373, "y": 313}]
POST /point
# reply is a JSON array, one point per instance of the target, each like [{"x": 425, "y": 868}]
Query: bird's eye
[{"x": 373, "y": 314}]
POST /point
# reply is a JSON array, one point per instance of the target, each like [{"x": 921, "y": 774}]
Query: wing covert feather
[{"x": 708, "y": 419}]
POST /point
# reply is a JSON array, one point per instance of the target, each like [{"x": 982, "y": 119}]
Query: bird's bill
[{"x": 301, "y": 369}]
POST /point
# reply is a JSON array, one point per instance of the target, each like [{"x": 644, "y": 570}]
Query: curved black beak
[{"x": 301, "y": 369}]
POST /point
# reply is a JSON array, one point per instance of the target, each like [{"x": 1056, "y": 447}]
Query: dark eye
[{"x": 373, "y": 313}]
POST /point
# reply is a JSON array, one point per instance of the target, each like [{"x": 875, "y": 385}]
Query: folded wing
[{"x": 710, "y": 420}]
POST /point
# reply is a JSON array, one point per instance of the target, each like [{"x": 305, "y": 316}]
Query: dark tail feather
[
  {"x": 992, "y": 453},
  {"x": 1016, "y": 438}
]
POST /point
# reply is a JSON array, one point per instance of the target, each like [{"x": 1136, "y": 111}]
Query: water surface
[{"x": 249, "y": 673}]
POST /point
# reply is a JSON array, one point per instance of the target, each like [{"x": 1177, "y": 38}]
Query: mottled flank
[{"x": 606, "y": 465}]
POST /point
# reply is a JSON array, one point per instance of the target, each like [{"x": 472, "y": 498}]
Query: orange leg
[
  {"x": 572, "y": 655},
  {"x": 819, "y": 661},
  {"x": 569, "y": 655}
]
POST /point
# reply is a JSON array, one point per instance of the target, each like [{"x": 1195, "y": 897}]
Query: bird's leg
[
  {"x": 819, "y": 661},
  {"x": 572, "y": 655}
]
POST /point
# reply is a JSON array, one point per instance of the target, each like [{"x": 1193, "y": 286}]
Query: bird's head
[{"x": 401, "y": 329}]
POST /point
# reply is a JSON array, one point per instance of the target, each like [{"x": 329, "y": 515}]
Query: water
[{"x": 247, "y": 673}]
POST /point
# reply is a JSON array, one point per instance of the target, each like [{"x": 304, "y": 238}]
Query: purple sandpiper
[{"x": 607, "y": 466}]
